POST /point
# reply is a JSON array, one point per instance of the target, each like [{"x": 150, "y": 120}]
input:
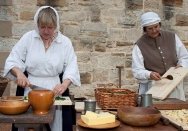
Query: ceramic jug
[{"x": 41, "y": 101}]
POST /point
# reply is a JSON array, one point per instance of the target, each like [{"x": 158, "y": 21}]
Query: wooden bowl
[
  {"x": 138, "y": 116},
  {"x": 12, "y": 98},
  {"x": 13, "y": 107}
]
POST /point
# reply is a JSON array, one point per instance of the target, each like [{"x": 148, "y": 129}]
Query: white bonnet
[
  {"x": 149, "y": 18},
  {"x": 37, "y": 13}
]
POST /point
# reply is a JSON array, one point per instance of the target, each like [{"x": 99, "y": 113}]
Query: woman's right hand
[
  {"x": 22, "y": 80},
  {"x": 155, "y": 76}
]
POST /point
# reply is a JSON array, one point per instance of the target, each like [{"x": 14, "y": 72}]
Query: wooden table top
[
  {"x": 123, "y": 127},
  {"x": 28, "y": 117}
]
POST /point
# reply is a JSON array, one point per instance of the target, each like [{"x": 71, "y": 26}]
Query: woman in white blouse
[{"x": 44, "y": 53}]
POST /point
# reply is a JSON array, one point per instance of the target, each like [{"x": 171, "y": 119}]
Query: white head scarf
[
  {"x": 149, "y": 18},
  {"x": 36, "y": 18}
]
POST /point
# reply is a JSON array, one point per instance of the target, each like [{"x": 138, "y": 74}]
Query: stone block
[
  {"x": 26, "y": 15},
  {"x": 85, "y": 67},
  {"x": 172, "y": 2},
  {"x": 3, "y": 57},
  {"x": 129, "y": 73},
  {"x": 96, "y": 27},
  {"x": 5, "y": 28},
  {"x": 83, "y": 57},
  {"x": 100, "y": 75},
  {"x": 134, "y": 4},
  {"x": 41, "y": 2},
  {"x": 71, "y": 30},
  {"x": 181, "y": 20},
  {"x": 60, "y": 3},
  {"x": 95, "y": 14},
  {"x": 85, "y": 78},
  {"x": 100, "y": 48},
  {"x": 53, "y": 3},
  {"x": 5, "y": 2}
]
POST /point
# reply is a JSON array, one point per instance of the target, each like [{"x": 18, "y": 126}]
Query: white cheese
[{"x": 91, "y": 118}]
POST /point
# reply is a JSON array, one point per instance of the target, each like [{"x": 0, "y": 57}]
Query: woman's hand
[
  {"x": 21, "y": 78},
  {"x": 155, "y": 76},
  {"x": 61, "y": 88}
]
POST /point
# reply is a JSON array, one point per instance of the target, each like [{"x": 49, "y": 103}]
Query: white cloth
[
  {"x": 142, "y": 74},
  {"x": 149, "y": 18},
  {"x": 43, "y": 67}
]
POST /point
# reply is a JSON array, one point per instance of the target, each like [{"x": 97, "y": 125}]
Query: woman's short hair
[{"x": 48, "y": 17}]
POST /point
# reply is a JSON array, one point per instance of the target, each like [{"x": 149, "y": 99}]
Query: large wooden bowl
[
  {"x": 12, "y": 98},
  {"x": 13, "y": 107},
  {"x": 138, "y": 116}
]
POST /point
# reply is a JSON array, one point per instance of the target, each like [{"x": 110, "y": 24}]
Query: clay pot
[
  {"x": 41, "y": 101},
  {"x": 138, "y": 116}
]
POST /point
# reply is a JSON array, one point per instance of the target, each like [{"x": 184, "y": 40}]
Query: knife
[{"x": 35, "y": 87}]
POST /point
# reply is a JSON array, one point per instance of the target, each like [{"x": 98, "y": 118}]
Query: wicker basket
[
  {"x": 113, "y": 98},
  {"x": 3, "y": 84}
]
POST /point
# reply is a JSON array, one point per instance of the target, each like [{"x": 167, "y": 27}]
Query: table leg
[{"x": 6, "y": 126}]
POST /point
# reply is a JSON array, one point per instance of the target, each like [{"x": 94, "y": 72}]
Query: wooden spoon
[{"x": 169, "y": 77}]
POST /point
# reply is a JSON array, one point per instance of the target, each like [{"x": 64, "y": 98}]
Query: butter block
[{"x": 91, "y": 118}]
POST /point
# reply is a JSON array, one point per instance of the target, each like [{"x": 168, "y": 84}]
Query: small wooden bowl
[
  {"x": 139, "y": 116},
  {"x": 13, "y": 107}
]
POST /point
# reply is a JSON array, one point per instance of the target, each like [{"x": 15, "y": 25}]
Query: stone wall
[{"x": 103, "y": 32}]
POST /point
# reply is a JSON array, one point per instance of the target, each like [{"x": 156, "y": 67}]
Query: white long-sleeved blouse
[
  {"x": 142, "y": 74},
  {"x": 43, "y": 67}
]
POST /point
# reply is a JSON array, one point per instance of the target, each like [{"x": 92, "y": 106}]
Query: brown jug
[{"x": 41, "y": 101}]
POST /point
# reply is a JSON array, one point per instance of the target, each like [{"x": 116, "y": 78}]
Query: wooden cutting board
[
  {"x": 162, "y": 88},
  {"x": 65, "y": 101}
]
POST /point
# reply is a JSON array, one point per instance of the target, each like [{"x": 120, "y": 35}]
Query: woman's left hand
[{"x": 61, "y": 88}]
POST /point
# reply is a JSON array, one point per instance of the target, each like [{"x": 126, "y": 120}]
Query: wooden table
[
  {"x": 123, "y": 127},
  {"x": 25, "y": 119}
]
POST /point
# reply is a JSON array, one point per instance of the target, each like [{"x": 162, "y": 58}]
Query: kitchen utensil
[
  {"x": 146, "y": 100},
  {"x": 11, "y": 106},
  {"x": 89, "y": 105},
  {"x": 119, "y": 74},
  {"x": 138, "y": 116},
  {"x": 161, "y": 89},
  {"x": 169, "y": 77},
  {"x": 35, "y": 87},
  {"x": 41, "y": 101},
  {"x": 166, "y": 121}
]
